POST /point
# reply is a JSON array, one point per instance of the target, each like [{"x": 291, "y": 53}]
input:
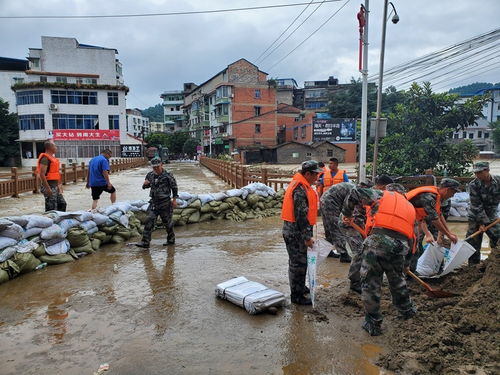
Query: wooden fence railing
[
  {"x": 14, "y": 183},
  {"x": 237, "y": 176}
]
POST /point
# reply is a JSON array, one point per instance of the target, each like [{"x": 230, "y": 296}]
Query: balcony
[
  {"x": 222, "y": 118},
  {"x": 222, "y": 100}
]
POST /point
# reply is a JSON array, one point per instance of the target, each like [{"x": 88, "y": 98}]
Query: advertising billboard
[
  {"x": 131, "y": 151},
  {"x": 335, "y": 130},
  {"x": 85, "y": 135}
]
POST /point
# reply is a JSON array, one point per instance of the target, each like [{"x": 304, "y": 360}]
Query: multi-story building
[
  {"x": 74, "y": 94},
  {"x": 137, "y": 124},
  {"x": 160, "y": 127},
  {"x": 233, "y": 110},
  {"x": 12, "y": 71},
  {"x": 173, "y": 114}
]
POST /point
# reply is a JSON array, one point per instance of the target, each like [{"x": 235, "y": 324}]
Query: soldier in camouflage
[
  {"x": 384, "y": 251},
  {"x": 163, "y": 196},
  {"x": 298, "y": 235},
  {"x": 484, "y": 193}
]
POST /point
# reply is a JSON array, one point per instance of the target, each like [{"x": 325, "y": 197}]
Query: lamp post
[
  {"x": 395, "y": 19},
  {"x": 363, "y": 68}
]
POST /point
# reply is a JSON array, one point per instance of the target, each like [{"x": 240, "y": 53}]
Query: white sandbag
[
  {"x": 430, "y": 261},
  {"x": 124, "y": 220},
  {"x": 61, "y": 247},
  {"x": 53, "y": 232},
  {"x": 67, "y": 224},
  {"x": 25, "y": 246},
  {"x": 187, "y": 196},
  {"x": 181, "y": 203},
  {"x": 252, "y": 296},
  {"x": 83, "y": 215},
  {"x": 454, "y": 212},
  {"x": 219, "y": 196},
  {"x": 124, "y": 207},
  {"x": 4, "y": 224},
  {"x": 99, "y": 218},
  {"x": 36, "y": 221},
  {"x": 92, "y": 230},
  {"x": 205, "y": 198},
  {"x": 116, "y": 216},
  {"x": 27, "y": 233},
  {"x": 87, "y": 225},
  {"x": 145, "y": 207},
  {"x": 7, "y": 253},
  {"x": 234, "y": 193},
  {"x": 458, "y": 254},
  {"x": 6, "y": 242},
  {"x": 14, "y": 231},
  {"x": 58, "y": 216},
  {"x": 460, "y": 197},
  {"x": 138, "y": 203},
  {"x": 315, "y": 256},
  {"x": 19, "y": 220},
  {"x": 108, "y": 210},
  {"x": 262, "y": 193}
]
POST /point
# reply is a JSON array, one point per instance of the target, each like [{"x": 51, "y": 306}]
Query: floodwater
[{"x": 155, "y": 312}]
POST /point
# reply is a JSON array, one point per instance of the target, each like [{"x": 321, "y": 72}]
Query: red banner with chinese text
[{"x": 85, "y": 135}]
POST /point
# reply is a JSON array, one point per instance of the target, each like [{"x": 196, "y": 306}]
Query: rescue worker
[
  {"x": 51, "y": 184},
  {"x": 299, "y": 214},
  {"x": 323, "y": 168},
  {"x": 332, "y": 176},
  {"x": 163, "y": 200},
  {"x": 427, "y": 201},
  {"x": 389, "y": 235},
  {"x": 484, "y": 193}
]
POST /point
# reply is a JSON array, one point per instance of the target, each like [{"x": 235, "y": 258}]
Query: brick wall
[{"x": 285, "y": 153}]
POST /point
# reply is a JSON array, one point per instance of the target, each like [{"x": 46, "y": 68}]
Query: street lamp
[
  {"x": 395, "y": 19},
  {"x": 363, "y": 68}
]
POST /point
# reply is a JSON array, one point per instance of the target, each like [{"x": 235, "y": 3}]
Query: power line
[
  {"x": 488, "y": 68},
  {"x": 275, "y": 40},
  {"x": 293, "y": 32},
  {"x": 438, "y": 87},
  {"x": 170, "y": 13},
  {"x": 310, "y": 35}
]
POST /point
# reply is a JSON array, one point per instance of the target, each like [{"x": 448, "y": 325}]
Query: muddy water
[{"x": 154, "y": 312}]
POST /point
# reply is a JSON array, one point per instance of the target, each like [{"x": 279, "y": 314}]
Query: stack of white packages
[{"x": 250, "y": 295}]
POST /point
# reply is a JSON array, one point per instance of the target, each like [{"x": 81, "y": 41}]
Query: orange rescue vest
[
  {"x": 52, "y": 173},
  {"x": 328, "y": 180},
  {"x": 394, "y": 213},
  {"x": 421, "y": 214},
  {"x": 287, "y": 212}
]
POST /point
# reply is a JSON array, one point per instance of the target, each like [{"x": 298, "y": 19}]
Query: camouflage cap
[
  {"x": 155, "y": 161},
  {"x": 450, "y": 183},
  {"x": 396, "y": 187},
  {"x": 481, "y": 166},
  {"x": 311, "y": 166}
]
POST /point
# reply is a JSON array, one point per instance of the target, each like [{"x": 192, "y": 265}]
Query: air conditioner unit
[
  {"x": 53, "y": 107},
  {"x": 232, "y": 95}
]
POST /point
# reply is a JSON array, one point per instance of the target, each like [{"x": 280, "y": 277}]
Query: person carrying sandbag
[
  {"x": 162, "y": 184},
  {"x": 51, "y": 185}
]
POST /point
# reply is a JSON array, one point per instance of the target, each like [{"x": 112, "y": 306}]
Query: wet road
[{"x": 154, "y": 312}]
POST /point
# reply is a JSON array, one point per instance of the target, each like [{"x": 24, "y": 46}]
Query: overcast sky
[{"x": 161, "y": 53}]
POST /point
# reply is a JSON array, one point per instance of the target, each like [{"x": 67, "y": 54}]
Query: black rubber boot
[
  {"x": 355, "y": 288},
  {"x": 345, "y": 258},
  {"x": 301, "y": 300},
  {"x": 169, "y": 243},
  {"x": 143, "y": 245},
  {"x": 372, "y": 328},
  {"x": 333, "y": 254}
]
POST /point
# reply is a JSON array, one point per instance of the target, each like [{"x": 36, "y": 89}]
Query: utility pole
[{"x": 363, "y": 16}]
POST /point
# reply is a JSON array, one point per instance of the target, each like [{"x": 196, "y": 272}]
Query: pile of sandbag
[
  {"x": 255, "y": 200},
  {"x": 459, "y": 204}
]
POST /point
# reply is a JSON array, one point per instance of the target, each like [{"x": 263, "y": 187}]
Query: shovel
[
  {"x": 485, "y": 229},
  {"x": 434, "y": 293}
]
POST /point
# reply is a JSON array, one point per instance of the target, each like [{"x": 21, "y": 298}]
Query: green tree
[
  {"x": 157, "y": 139},
  {"x": 154, "y": 113},
  {"x": 189, "y": 146},
  {"x": 9, "y": 148},
  {"x": 420, "y": 130},
  {"x": 176, "y": 142}
]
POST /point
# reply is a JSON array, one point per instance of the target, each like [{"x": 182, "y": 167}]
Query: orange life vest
[
  {"x": 287, "y": 212},
  {"x": 421, "y": 214},
  {"x": 394, "y": 213},
  {"x": 52, "y": 173},
  {"x": 328, "y": 180}
]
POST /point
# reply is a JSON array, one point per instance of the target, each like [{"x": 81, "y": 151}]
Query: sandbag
[
  {"x": 117, "y": 239},
  {"x": 10, "y": 267},
  {"x": 195, "y": 204},
  {"x": 39, "y": 251},
  {"x": 243, "y": 205},
  {"x": 205, "y": 217},
  {"x": 138, "y": 203},
  {"x": 135, "y": 233},
  {"x": 206, "y": 208},
  {"x": 181, "y": 222},
  {"x": 84, "y": 249},
  {"x": 19, "y": 220},
  {"x": 4, "y": 224},
  {"x": 61, "y": 247},
  {"x": 188, "y": 212},
  {"x": 219, "y": 196},
  {"x": 99, "y": 218},
  {"x": 83, "y": 215},
  {"x": 4, "y": 276},
  {"x": 27, "y": 233},
  {"x": 58, "y": 216},
  {"x": 123, "y": 206},
  {"x": 110, "y": 229},
  {"x": 233, "y": 200},
  {"x": 107, "y": 239},
  {"x": 223, "y": 207},
  {"x": 96, "y": 244},
  {"x": 53, "y": 232},
  {"x": 99, "y": 236},
  {"x": 26, "y": 262},
  {"x": 67, "y": 224},
  {"x": 215, "y": 203},
  {"x": 88, "y": 225},
  {"x": 124, "y": 221},
  {"x": 205, "y": 198},
  {"x": 218, "y": 216},
  {"x": 124, "y": 233},
  {"x": 14, "y": 231},
  {"x": 116, "y": 215},
  {"x": 7, "y": 253},
  {"x": 36, "y": 221},
  {"x": 194, "y": 217},
  {"x": 6, "y": 242},
  {"x": 253, "y": 199},
  {"x": 56, "y": 259},
  {"x": 108, "y": 210},
  {"x": 181, "y": 203},
  {"x": 25, "y": 246},
  {"x": 234, "y": 193},
  {"x": 78, "y": 237}
]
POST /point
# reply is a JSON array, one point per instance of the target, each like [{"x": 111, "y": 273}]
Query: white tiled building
[
  {"x": 137, "y": 124},
  {"x": 173, "y": 114},
  {"x": 74, "y": 94}
]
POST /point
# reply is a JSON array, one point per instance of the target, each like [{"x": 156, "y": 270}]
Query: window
[
  {"x": 114, "y": 121},
  {"x": 479, "y": 134},
  {"x": 486, "y": 135},
  {"x": 29, "y": 97},
  {"x": 471, "y": 135},
  {"x": 295, "y": 154},
  {"x": 18, "y": 80},
  {"x": 62, "y": 79},
  {"x": 66, "y": 121},
  {"x": 464, "y": 134},
  {"x": 222, "y": 92},
  {"x": 43, "y": 79},
  {"x": 73, "y": 97},
  {"x": 295, "y": 133},
  {"x": 303, "y": 131},
  {"x": 35, "y": 63},
  {"x": 257, "y": 110},
  {"x": 308, "y": 154},
  {"x": 257, "y": 93},
  {"x": 329, "y": 153},
  {"x": 455, "y": 136},
  {"x": 31, "y": 122},
  {"x": 257, "y": 128},
  {"x": 112, "y": 98}
]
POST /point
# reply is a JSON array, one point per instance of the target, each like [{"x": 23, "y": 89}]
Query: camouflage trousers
[
  {"x": 164, "y": 210},
  {"x": 297, "y": 263},
  {"x": 493, "y": 233},
  {"x": 383, "y": 253},
  {"x": 55, "y": 201},
  {"x": 355, "y": 241},
  {"x": 333, "y": 232}
]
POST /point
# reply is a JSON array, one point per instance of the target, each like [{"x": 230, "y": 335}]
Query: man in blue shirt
[{"x": 98, "y": 177}]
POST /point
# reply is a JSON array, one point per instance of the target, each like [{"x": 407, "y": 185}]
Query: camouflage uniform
[
  {"x": 55, "y": 201},
  {"x": 482, "y": 211},
  {"x": 295, "y": 234},
  {"x": 384, "y": 251},
  {"x": 160, "y": 204},
  {"x": 336, "y": 232}
]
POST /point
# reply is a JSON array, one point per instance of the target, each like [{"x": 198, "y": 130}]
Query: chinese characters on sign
[
  {"x": 131, "y": 151},
  {"x": 334, "y": 130},
  {"x": 85, "y": 135}
]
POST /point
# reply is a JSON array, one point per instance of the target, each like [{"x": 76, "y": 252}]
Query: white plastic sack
[
  {"x": 108, "y": 210},
  {"x": 252, "y": 296},
  {"x": 218, "y": 196},
  {"x": 14, "y": 231},
  {"x": 92, "y": 230},
  {"x": 187, "y": 196},
  {"x": 25, "y": 246},
  {"x": 181, "y": 203},
  {"x": 99, "y": 218},
  {"x": 19, "y": 220},
  {"x": 61, "y": 247},
  {"x": 123, "y": 206},
  {"x": 6, "y": 242},
  {"x": 36, "y": 221},
  {"x": 83, "y": 215},
  {"x": 116, "y": 216},
  {"x": 205, "y": 198},
  {"x": 31, "y": 232},
  {"x": 53, "y": 232},
  {"x": 454, "y": 212},
  {"x": 7, "y": 253},
  {"x": 458, "y": 254},
  {"x": 145, "y": 207},
  {"x": 234, "y": 193},
  {"x": 67, "y": 224},
  {"x": 4, "y": 224},
  {"x": 262, "y": 193},
  {"x": 430, "y": 261},
  {"x": 138, "y": 203},
  {"x": 58, "y": 216},
  {"x": 124, "y": 220},
  {"x": 315, "y": 256},
  {"x": 87, "y": 225}
]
